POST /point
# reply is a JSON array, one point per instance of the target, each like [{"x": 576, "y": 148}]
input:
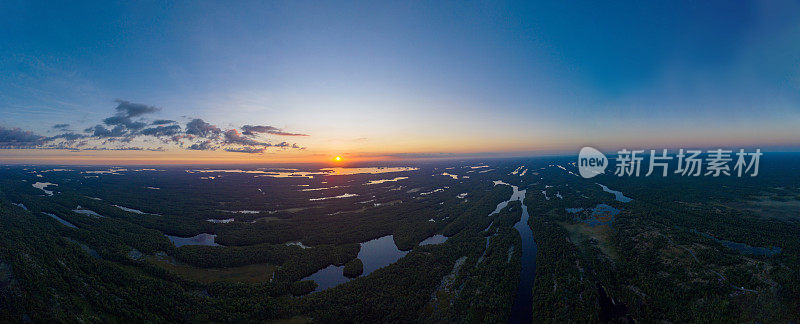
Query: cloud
[
  {"x": 66, "y": 136},
  {"x": 201, "y": 128},
  {"x": 252, "y": 130},
  {"x": 17, "y": 138},
  {"x": 178, "y": 138},
  {"x": 122, "y": 128},
  {"x": 101, "y": 132},
  {"x": 130, "y": 109},
  {"x": 124, "y": 121},
  {"x": 163, "y": 122},
  {"x": 232, "y": 136},
  {"x": 203, "y": 146},
  {"x": 251, "y": 150},
  {"x": 159, "y": 131}
]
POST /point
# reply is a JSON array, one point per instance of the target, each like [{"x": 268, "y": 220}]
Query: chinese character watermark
[{"x": 692, "y": 163}]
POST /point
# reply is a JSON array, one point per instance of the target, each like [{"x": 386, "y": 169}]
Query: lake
[
  {"x": 435, "y": 239},
  {"x": 199, "y": 239},
  {"x": 374, "y": 254},
  {"x": 42, "y": 185}
]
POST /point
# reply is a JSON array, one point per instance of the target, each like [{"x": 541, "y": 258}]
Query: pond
[
  {"x": 42, "y": 185},
  {"x": 87, "y": 212},
  {"x": 385, "y": 180},
  {"x": 745, "y": 248},
  {"x": 347, "y": 195},
  {"x": 435, "y": 239},
  {"x": 618, "y": 194},
  {"x": 131, "y": 210},
  {"x": 60, "y": 220},
  {"x": 454, "y": 176},
  {"x": 199, "y": 239},
  {"x": 601, "y": 214},
  {"x": 299, "y": 244},
  {"x": 220, "y": 221}
]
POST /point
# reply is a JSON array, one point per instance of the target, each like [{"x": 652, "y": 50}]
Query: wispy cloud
[
  {"x": 253, "y": 130},
  {"x": 18, "y": 138},
  {"x": 163, "y": 122},
  {"x": 250, "y": 150}
]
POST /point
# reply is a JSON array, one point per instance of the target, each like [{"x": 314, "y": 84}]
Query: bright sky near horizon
[{"x": 308, "y": 81}]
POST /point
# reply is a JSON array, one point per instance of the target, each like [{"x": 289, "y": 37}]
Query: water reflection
[
  {"x": 371, "y": 170},
  {"x": 522, "y": 310},
  {"x": 516, "y": 195},
  {"x": 287, "y": 173},
  {"x": 347, "y": 195},
  {"x": 220, "y": 221},
  {"x": 42, "y": 185},
  {"x": 374, "y": 254},
  {"x": 60, "y": 220},
  {"x": 131, "y": 210},
  {"x": 83, "y": 211},
  {"x": 199, "y": 239},
  {"x": 385, "y": 180},
  {"x": 298, "y": 243},
  {"x": 601, "y": 214},
  {"x": 454, "y": 176},
  {"x": 745, "y": 248},
  {"x": 435, "y": 239},
  {"x": 618, "y": 194}
]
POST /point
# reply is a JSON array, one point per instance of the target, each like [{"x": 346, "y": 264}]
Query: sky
[{"x": 182, "y": 82}]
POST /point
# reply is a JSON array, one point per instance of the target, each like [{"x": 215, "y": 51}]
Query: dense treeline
[
  {"x": 52, "y": 279},
  {"x": 659, "y": 258},
  {"x": 295, "y": 262},
  {"x": 123, "y": 281},
  {"x": 483, "y": 290},
  {"x": 564, "y": 288}
]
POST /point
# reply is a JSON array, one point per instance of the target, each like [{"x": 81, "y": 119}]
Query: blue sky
[{"x": 405, "y": 77}]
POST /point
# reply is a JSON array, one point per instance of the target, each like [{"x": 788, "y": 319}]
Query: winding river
[{"x": 522, "y": 310}]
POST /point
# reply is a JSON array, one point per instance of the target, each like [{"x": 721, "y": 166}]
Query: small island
[{"x": 353, "y": 268}]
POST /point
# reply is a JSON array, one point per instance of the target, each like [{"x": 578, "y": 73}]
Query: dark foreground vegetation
[{"x": 683, "y": 250}]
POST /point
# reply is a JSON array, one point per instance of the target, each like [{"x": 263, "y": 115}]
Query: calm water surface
[
  {"x": 522, "y": 310},
  {"x": 374, "y": 254},
  {"x": 199, "y": 239}
]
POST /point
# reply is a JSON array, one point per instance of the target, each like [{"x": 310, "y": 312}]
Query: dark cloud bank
[{"x": 130, "y": 123}]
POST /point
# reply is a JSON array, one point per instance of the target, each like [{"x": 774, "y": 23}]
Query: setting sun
[{"x": 337, "y": 159}]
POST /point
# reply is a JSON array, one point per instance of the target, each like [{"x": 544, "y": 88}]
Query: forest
[{"x": 436, "y": 245}]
